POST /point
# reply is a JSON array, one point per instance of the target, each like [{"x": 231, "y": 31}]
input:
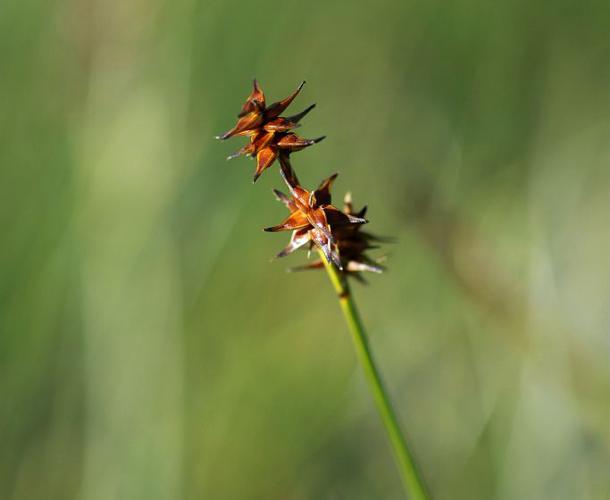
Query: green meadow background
[{"x": 150, "y": 350}]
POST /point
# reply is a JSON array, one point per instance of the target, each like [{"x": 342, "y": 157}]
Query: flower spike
[
  {"x": 312, "y": 217},
  {"x": 313, "y": 220},
  {"x": 270, "y": 134},
  {"x": 352, "y": 243}
]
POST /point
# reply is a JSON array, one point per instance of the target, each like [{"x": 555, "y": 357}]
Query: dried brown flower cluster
[
  {"x": 313, "y": 220},
  {"x": 270, "y": 134},
  {"x": 353, "y": 243}
]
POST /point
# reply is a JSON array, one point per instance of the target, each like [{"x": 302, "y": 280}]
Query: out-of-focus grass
[{"x": 150, "y": 350}]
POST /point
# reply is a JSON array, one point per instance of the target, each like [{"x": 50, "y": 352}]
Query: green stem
[{"x": 411, "y": 477}]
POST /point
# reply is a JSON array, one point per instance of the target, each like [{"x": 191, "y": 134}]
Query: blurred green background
[{"x": 149, "y": 349}]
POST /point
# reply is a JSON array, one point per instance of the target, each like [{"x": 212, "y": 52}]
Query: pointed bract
[
  {"x": 296, "y": 220},
  {"x": 264, "y": 159},
  {"x": 277, "y": 108},
  {"x": 299, "y": 238},
  {"x": 322, "y": 194},
  {"x": 255, "y": 101}
]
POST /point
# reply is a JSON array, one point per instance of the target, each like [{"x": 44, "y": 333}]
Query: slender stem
[{"x": 412, "y": 480}]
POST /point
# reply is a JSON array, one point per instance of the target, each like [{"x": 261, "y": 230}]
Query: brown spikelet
[
  {"x": 352, "y": 243},
  {"x": 312, "y": 217},
  {"x": 270, "y": 134}
]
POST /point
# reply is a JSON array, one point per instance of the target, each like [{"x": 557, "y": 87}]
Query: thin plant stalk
[{"x": 411, "y": 477}]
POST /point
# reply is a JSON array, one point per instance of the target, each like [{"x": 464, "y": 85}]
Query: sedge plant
[{"x": 337, "y": 235}]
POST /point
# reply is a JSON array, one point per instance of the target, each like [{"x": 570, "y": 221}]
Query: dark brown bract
[{"x": 270, "y": 134}]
